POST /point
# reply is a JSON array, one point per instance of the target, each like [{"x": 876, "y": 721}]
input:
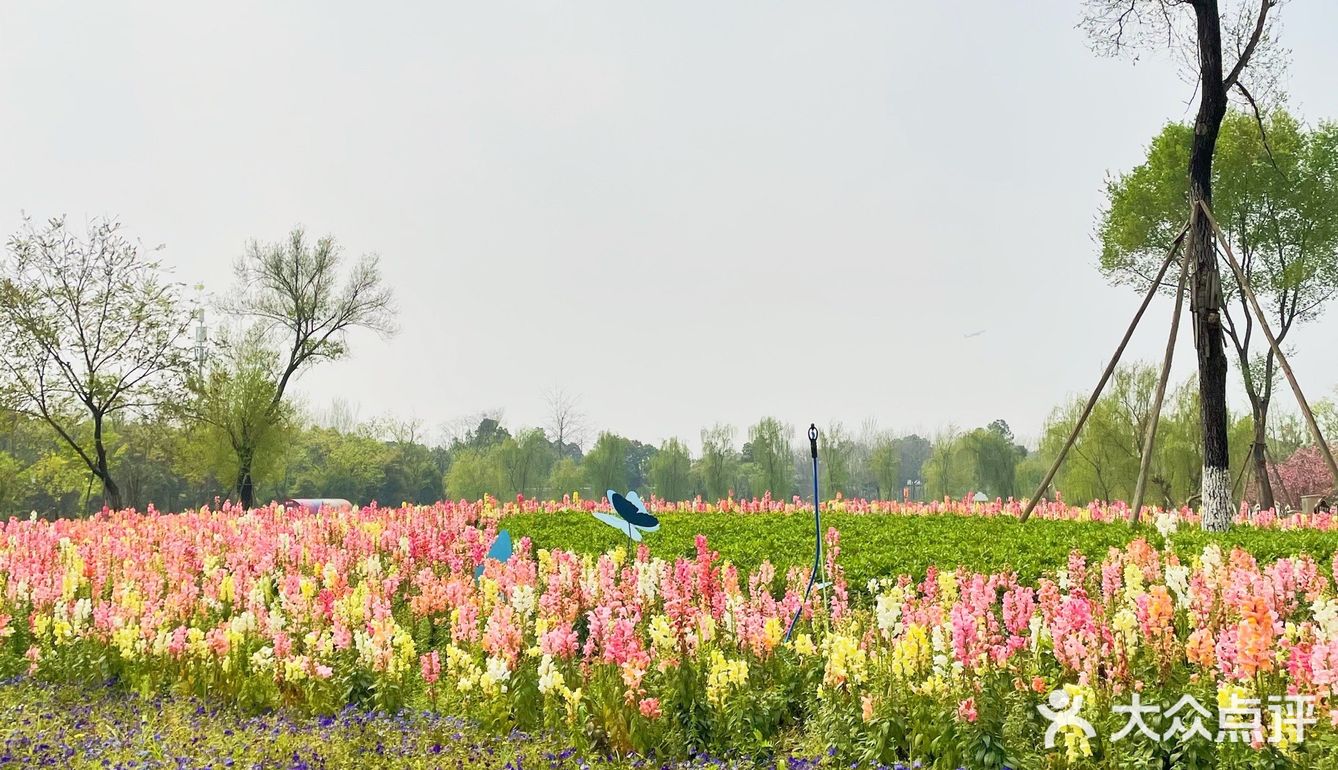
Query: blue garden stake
[
  {"x": 500, "y": 551},
  {"x": 629, "y": 516},
  {"x": 817, "y": 529}
]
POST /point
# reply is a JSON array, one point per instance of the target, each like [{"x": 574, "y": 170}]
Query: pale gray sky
[{"x": 686, "y": 212}]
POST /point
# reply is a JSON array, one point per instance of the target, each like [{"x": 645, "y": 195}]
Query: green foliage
[
  {"x": 1278, "y": 203},
  {"x": 885, "y": 467},
  {"x": 671, "y": 471},
  {"x": 487, "y": 435},
  {"x": 984, "y": 460},
  {"x": 1103, "y": 464},
  {"x": 719, "y": 462},
  {"x": 915, "y": 451},
  {"x": 606, "y": 466},
  {"x": 770, "y": 458},
  {"x": 948, "y": 471},
  {"x": 243, "y": 425},
  {"x": 1276, "y": 200},
  {"x": 90, "y": 332},
  {"x": 473, "y": 474},
  {"x": 9, "y": 481},
  {"x": 639, "y": 457},
  {"x": 994, "y": 458},
  {"x": 525, "y": 461},
  {"x": 411, "y": 474},
  {"x": 567, "y": 478},
  {"x": 332, "y": 464},
  {"x": 838, "y": 461}
]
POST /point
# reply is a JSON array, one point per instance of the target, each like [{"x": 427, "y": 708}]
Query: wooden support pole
[
  {"x": 1273, "y": 343},
  {"x": 1244, "y": 474},
  {"x": 1150, "y": 435},
  {"x": 1269, "y": 458},
  {"x": 1105, "y": 376}
]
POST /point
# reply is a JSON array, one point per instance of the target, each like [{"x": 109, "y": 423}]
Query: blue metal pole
[{"x": 817, "y": 529}]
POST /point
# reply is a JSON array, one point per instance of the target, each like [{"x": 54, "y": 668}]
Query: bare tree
[
  {"x": 566, "y": 421},
  {"x": 342, "y": 416},
  {"x": 1201, "y": 30},
  {"x": 292, "y": 289},
  {"x": 88, "y": 330},
  {"x": 406, "y": 430},
  {"x": 463, "y": 429}
]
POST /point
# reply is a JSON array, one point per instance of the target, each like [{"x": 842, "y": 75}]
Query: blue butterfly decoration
[
  {"x": 629, "y": 516},
  {"x": 500, "y": 551}
]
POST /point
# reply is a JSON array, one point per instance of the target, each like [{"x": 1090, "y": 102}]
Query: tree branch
[
  {"x": 1263, "y": 133},
  {"x": 1234, "y": 76}
]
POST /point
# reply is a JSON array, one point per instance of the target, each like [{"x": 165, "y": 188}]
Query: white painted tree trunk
[{"x": 1217, "y": 508}]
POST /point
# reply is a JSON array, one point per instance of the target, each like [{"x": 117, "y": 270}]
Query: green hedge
[{"x": 883, "y": 546}]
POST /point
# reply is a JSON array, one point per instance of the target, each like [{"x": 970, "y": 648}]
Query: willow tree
[
  {"x": 1277, "y": 201},
  {"x": 1205, "y": 32},
  {"x": 671, "y": 471},
  {"x": 245, "y": 430},
  {"x": 719, "y": 463},
  {"x": 768, "y": 453}
]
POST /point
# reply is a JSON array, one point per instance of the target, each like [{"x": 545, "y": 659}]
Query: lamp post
[
  {"x": 201, "y": 337},
  {"x": 916, "y": 487}
]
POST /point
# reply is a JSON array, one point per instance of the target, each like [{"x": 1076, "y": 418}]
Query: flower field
[{"x": 674, "y": 649}]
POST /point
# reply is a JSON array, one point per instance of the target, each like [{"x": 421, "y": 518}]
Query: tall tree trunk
[
  {"x": 1206, "y": 298},
  {"x": 246, "y": 490},
  {"x": 111, "y": 493},
  {"x": 1258, "y": 457}
]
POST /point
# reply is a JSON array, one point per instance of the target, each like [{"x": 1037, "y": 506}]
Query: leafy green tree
[
  {"x": 771, "y": 458},
  {"x": 244, "y": 430},
  {"x": 473, "y": 474},
  {"x": 1031, "y": 470},
  {"x": 606, "y": 465},
  {"x": 837, "y": 461},
  {"x": 885, "y": 465},
  {"x": 1277, "y": 202},
  {"x": 292, "y": 290},
  {"x": 915, "y": 451},
  {"x": 948, "y": 471},
  {"x": 411, "y": 475},
  {"x": 526, "y": 461},
  {"x": 148, "y": 463},
  {"x": 639, "y": 456},
  {"x": 568, "y": 477},
  {"x": 487, "y": 435},
  {"x": 356, "y": 468},
  {"x": 9, "y": 482},
  {"x": 994, "y": 458},
  {"x": 89, "y": 331},
  {"x": 1230, "y": 47},
  {"x": 671, "y": 471},
  {"x": 1104, "y": 462},
  {"x": 719, "y": 462},
  {"x": 347, "y": 465},
  {"x": 1326, "y": 413}
]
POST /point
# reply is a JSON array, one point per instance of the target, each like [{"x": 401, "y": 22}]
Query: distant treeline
[{"x": 173, "y": 464}]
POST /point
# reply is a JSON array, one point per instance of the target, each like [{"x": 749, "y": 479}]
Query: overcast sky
[{"x": 685, "y": 212}]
